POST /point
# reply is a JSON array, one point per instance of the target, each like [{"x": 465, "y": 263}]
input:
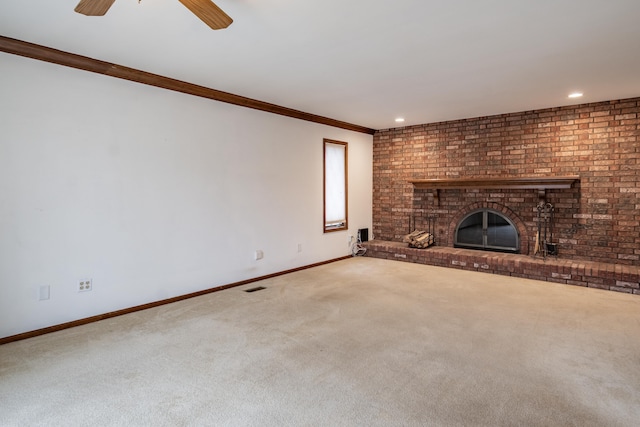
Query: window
[{"x": 335, "y": 185}]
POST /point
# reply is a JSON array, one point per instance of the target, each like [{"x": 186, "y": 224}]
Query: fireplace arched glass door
[{"x": 489, "y": 230}]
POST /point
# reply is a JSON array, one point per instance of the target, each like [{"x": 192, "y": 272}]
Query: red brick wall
[{"x": 598, "y": 219}]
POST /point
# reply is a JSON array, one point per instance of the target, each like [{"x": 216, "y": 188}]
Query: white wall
[{"x": 151, "y": 193}]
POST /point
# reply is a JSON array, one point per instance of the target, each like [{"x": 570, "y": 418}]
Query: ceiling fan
[{"x": 206, "y": 10}]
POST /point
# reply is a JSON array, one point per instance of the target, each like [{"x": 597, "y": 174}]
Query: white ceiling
[{"x": 364, "y": 61}]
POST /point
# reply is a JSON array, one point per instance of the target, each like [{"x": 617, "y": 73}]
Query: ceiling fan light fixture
[
  {"x": 209, "y": 13},
  {"x": 206, "y": 10},
  {"x": 94, "y": 7}
]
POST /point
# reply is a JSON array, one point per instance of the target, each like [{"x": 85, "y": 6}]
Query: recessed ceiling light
[
  {"x": 575, "y": 95},
  {"x": 399, "y": 120}
]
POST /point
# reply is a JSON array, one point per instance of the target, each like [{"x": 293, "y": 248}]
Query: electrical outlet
[
  {"x": 299, "y": 247},
  {"x": 85, "y": 285},
  {"x": 44, "y": 292},
  {"x": 258, "y": 255}
]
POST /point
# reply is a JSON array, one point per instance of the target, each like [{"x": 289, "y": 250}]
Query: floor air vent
[{"x": 259, "y": 288}]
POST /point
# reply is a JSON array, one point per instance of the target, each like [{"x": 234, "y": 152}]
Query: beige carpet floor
[{"x": 360, "y": 342}]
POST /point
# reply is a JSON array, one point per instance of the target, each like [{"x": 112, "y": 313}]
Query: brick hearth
[
  {"x": 596, "y": 219},
  {"x": 593, "y": 274},
  {"x": 596, "y": 225}
]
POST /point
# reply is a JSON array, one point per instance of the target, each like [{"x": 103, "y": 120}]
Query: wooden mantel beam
[{"x": 540, "y": 183}]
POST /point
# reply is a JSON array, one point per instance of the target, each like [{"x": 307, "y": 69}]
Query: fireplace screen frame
[{"x": 485, "y": 243}]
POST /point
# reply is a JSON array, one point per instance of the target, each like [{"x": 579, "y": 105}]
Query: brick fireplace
[{"x": 596, "y": 217}]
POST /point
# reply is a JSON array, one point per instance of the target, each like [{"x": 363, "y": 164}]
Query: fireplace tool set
[{"x": 544, "y": 236}]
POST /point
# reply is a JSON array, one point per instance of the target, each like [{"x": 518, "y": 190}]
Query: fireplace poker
[
  {"x": 545, "y": 230},
  {"x": 536, "y": 248}
]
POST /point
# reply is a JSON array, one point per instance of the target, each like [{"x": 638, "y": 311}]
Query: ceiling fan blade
[
  {"x": 93, "y": 7},
  {"x": 209, "y": 13}
]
